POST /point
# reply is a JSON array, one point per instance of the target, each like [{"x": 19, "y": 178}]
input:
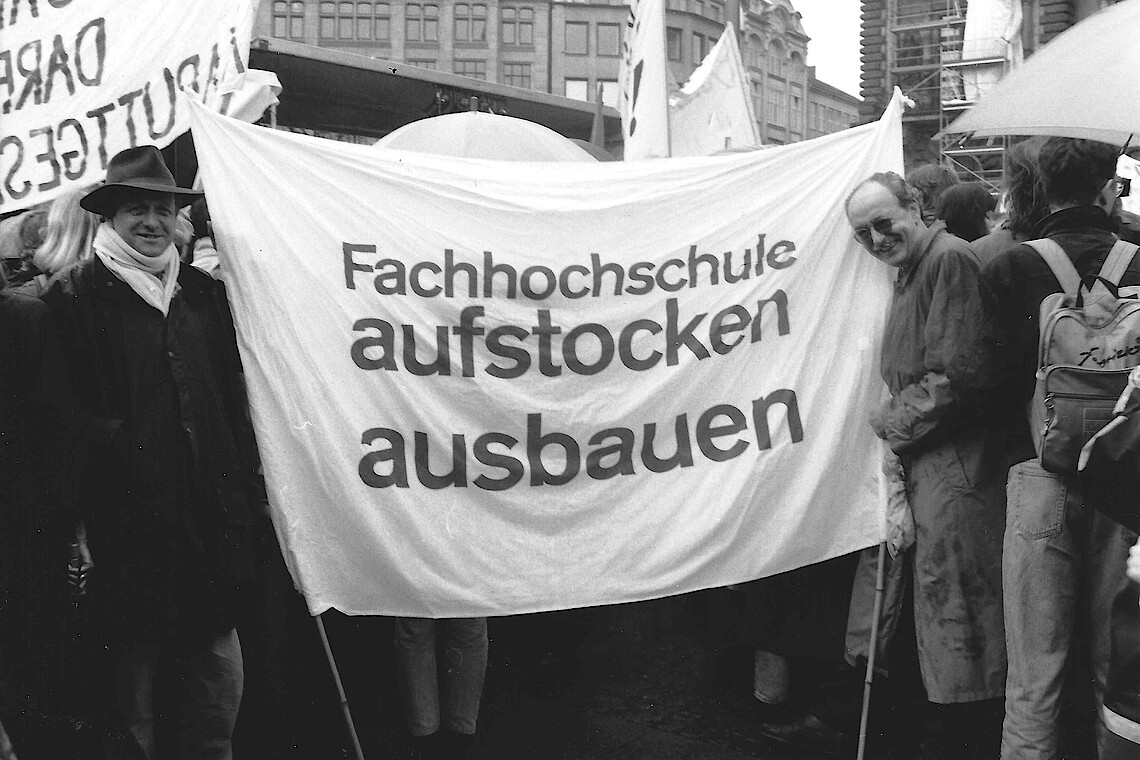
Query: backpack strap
[
  {"x": 1117, "y": 261},
  {"x": 1060, "y": 263}
]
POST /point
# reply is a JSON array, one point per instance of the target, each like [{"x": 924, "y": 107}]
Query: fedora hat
[{"x": 140, "y": 168}]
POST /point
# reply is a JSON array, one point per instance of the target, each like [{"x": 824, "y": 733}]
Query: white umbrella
[
  {"x": 1085, "y": 83},
  {"x": 475, "y": 134}
]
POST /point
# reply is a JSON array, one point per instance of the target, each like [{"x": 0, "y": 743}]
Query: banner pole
[
  {"x": 667, "y": 77},
  {"x": 339, "y": 688},
  {"x": 876, "y": 608}
]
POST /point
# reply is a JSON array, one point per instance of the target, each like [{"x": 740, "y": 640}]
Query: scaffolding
[{"x": 930, "y": 61}]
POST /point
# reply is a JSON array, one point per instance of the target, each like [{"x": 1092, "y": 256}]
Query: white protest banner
[
  {"x": 643, "y": 82},
  {"x": 490, "y": 387},
  {"x": 713, "y": 110},
  {"x": 81, "y": 80}
]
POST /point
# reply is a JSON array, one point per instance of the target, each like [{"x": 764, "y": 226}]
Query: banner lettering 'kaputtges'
[
  {"x": 486, "y": 388},
  {"x": 81, "y": 80}
]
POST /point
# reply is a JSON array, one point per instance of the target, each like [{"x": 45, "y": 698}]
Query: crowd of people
[
  {"x": 1010, "y": 559},
  {"x": 131, "y": 474}
]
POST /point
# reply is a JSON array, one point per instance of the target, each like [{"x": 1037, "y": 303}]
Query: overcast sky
[{"x": 833, "y": 26}]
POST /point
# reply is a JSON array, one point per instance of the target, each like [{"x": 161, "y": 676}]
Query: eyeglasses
[
  {"x": 881, "y": 226},
  {"x": 1123, "y": 187}
]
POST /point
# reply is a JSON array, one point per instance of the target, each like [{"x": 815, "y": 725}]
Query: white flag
[
  {"x": 582, "y": 383},
  {"x": 713, "y": 111},
  {"x": 643, "y": 77}
]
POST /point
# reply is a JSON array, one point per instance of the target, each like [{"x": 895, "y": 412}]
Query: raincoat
[{"x": 935, "y": 365}]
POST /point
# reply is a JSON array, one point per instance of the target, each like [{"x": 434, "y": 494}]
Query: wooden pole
[
  {"x": 339, "y": 689},
  {"x": 877, "y": 607}
]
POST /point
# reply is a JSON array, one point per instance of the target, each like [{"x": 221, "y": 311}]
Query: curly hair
[
  {"x": 1026, "y": 203},
  {"x": 1073, "y": 171}
]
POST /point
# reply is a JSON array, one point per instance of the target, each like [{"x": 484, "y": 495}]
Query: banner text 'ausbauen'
[{"x": 718, "y": 433}]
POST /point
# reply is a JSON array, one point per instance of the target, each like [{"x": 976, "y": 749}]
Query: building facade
[
  {"x": 920, "y": 46},
  {"x": 573, "y": 47}
]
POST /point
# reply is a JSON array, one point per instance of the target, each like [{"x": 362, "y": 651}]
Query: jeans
[
  {"x": 1062, "y": 559},
  {"x": 769, "y": 677},
  {"x": 209, "y": 681},
  {"x": 465, "y": 655}
]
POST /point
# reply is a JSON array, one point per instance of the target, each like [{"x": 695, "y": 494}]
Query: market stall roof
[{"x": 333, "y": 91}]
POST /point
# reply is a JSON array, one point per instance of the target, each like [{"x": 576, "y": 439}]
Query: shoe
[
  {"x": 764, "y": 713},
  {"x": 806, "y": 732},
  {"x": 459, "y": 746},
  {"x": 424, "y": 747}
]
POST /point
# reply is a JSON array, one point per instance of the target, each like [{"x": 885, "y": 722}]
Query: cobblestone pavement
[
  {"x": 662, "y": 680},
  {"x": 669, "y": 679}
]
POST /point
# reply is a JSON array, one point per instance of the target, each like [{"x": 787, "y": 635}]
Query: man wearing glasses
[
  {"x": 939, "y": 422},
  {"x": 1063, "y": 559}
]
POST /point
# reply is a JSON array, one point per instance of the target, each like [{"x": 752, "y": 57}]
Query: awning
[{"x": 330, "y": 90}]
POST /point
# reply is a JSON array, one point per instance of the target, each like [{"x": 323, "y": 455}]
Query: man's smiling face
[
  {"x": 888, "y": 230},
  {"x": 145, "y": 221}
]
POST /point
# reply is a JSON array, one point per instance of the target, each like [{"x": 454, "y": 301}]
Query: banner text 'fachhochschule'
[{"x": 586, "y": 349}]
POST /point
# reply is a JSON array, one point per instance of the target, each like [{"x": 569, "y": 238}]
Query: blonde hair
[{"x": 68, "y": 235}]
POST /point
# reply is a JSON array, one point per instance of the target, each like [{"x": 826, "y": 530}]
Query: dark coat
[
  {"x": 933, "y": 344},
  {"x": 35, "y": 523},
  {"x": 171, "y": 466}
]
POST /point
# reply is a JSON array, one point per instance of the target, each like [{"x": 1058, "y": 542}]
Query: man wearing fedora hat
[{"x": 169, "y": 473}]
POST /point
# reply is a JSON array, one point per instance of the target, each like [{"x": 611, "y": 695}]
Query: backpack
[{"x": 1089, "y": 340}]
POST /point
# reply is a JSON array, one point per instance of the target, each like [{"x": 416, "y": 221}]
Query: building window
[
  {"x": 422, "y": 23},
  {"x": 609, "y": 92},
  {"x": 423, "y": 63},
  {"x": 698, "y": 48},
  {"x": 754, "y": 53},
  {"x": 517, "y": 74},
  {"x": 777, "y": 106},
  {"x": 382, "y": 22},
  {"x": 717, "y": 8},
  {"x": 578, "y": 89},
  {"x": 470, "y": 23},
  {"x": 673, "y": 43},
  {"x": 796, "y": 109},
  {"x": 577, "y": 38},
  {"x": 346, "y": 17},
  {"x": 697, "y": 7},
  {"x": 517, "y": 25},
  {"x": 608, "y": 41},
  {"x": 289, "y": 19},
  {"x": 355, "y": 21},
  {"x": 473, "y": 69},
  {"x": 676, "y": 5}
]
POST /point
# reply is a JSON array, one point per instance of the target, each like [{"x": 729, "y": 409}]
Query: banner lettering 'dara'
[
  {"x": 486, "y": 388},
  {"x": 81, "y": 80}
]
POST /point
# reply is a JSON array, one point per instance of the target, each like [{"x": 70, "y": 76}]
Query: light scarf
[{"x": 154, "y": 278}]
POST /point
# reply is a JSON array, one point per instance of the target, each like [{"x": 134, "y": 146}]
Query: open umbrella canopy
[
  {"x": 475, "y": 134},
  {"x": 1085, "y": 83}
]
